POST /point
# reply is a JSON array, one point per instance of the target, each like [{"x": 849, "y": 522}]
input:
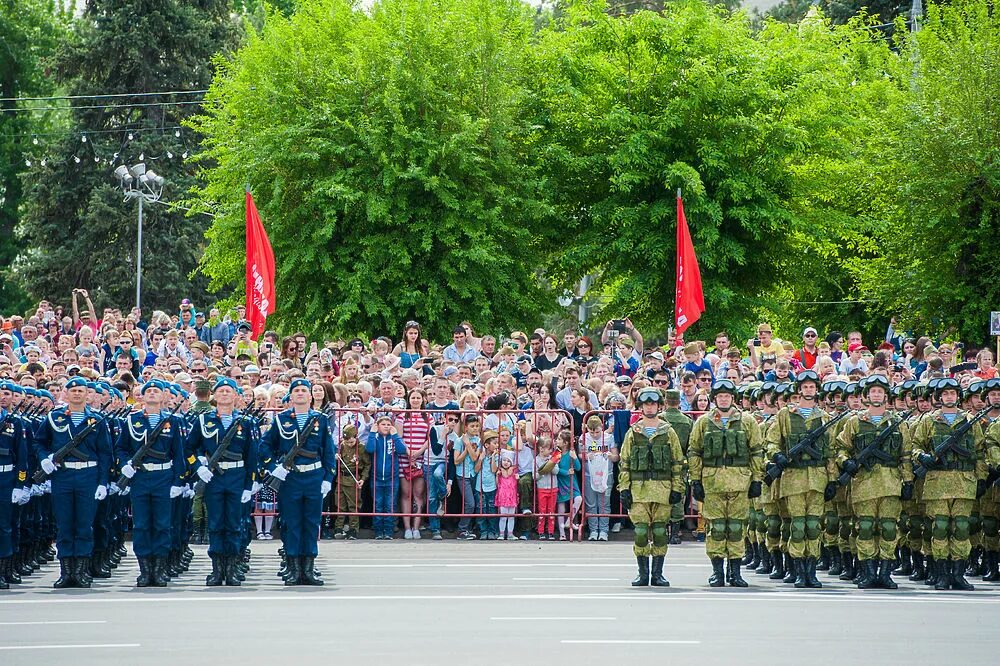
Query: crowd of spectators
[{"x": 516, "y": 433}]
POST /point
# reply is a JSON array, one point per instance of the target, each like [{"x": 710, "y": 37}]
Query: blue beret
[
  {"x": 16, "y": 388},
  {"x": 151, "y": 384},
  {"x": 33, "y": 392},
  {"x": 45, "y": 394},
  {"x": 184, "y": 394},
  {"x": 225, "y": 381},
  {"x": 4, "y": 385},
  {"x": 92, "y": 385},
  {"x": 99, "y": 388},
  {"x": 285, "y": 399},
  {"x": 299, "y": 381},
  {"x": 173, "y": 388},
  {"x": 76, "y": 381}
]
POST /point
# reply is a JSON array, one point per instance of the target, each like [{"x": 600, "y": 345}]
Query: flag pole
[{"x": 673, "y": 327}]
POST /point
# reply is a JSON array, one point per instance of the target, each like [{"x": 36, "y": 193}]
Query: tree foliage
[{"x": 391, "y": 161}]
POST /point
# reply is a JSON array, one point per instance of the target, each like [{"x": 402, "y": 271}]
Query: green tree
[
  {"x": 29, "y": 33},
  {"x": 77, "y": 230},
  {"x": 937, "y": 267},
  {"x": 391, "y": 162},
  {"x": 635, "y": 107}
]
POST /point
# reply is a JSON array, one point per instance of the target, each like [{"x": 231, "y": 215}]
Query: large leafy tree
[
  {"x": 937, "y": 266},
  {"x": 636, "y": 107},
  {"x": 390, "y": 158},
  {"x": 29, "y": 33},
  {"x": 77, "y": 231}
]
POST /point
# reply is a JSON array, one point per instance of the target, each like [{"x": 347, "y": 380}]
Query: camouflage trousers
[
  {"x": 725, "y": 515},
  {"x": 950, "y": 526},
  {"x": 805, "y": 512},
  {"x": 650, "y": 520},
  {"x": 877, "y": 521}
]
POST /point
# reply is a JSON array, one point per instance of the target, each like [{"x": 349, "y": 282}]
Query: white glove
[
  {"x": 36, "y": 490},
  {"x": 325, "y": 488},
  {"x": 280, "y": 473},
  {"x": 204, "y": 474},
  {"x": 245, "y": 497},
  {"x": 127, "y": 470},
  {"x": 188, "y": 491},
  {"x": 47, "y": 465},
  {"x": 101, "y": 493},
  {"x": 256, "y": 488},
  {"x": 113, "y": 488},
  {"x": 176, "y": 491},
  {"x": 126, "y": 491},
  {"x": 25, "y": 496},
  {"x": 203, "y": 460},
  {"x": 15, "y": 496},
  {"x": 47, "y": 487}
]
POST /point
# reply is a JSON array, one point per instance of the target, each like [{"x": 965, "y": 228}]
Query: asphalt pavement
[{"x": 427, "y": 602}]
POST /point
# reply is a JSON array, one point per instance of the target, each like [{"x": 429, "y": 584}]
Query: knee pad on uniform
[
  {"x": 717, "y": 529},
  {"x": 773, "y": 524},
  {"x": 904, "y": 523},
  {"x": 887, "y": 529},
  {"x": 734, "y": 529},
  {"x": 916, "y": 527},
  {"x": 660, "y": 535},
  {"x": 975, "y": 524},
  {"x": 990, "y": 525},
  {"x": 960, "y": 528},
  {"x": 813, "y": 527},
  {"x": 786, "y": 529},
  {"x": 832, "y": 523},
  {"x": 797, "y": 529},
  {"x": 641, "y": 535},
  {"x": 845, "y": 527},
  {"x": 866, "y": 527},
  {"x": 939, "y": 527}
]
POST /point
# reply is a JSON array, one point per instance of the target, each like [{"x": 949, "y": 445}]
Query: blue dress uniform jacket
[
  {"x": 300, "y": 498},
  {"x": 13, "y": 472},
  {"x": 234, "y": 475},
  {"x": 76, "y": 480}
]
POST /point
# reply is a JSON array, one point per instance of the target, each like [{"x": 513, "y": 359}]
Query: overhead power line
[{"x": 102, "y": 96}]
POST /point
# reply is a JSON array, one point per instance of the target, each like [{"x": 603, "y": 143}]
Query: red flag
[
  {"x": 260, "y": 271},
  {"x": 689, "y": 299}
]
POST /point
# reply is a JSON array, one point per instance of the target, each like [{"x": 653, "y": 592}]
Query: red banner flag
[
  {"x": 260, "y": 271},
  {"x": 689, "y": 299}
]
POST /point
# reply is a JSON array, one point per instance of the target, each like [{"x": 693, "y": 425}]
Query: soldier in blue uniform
[
  {"x": 102, "y": 520},
  {"x": 156, "y": 480},
  {"x": 13, "y": 472},
  {"x": 305, "y": 480},
  {"x": 228, "y": 488},
  {"x": 79, "y": 482}
]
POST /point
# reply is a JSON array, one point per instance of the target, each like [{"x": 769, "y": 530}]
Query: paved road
[{"x": 490, "y": 603}]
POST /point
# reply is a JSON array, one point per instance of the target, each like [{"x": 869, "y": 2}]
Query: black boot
[
  {"x": 798, "y": 572},
  {"x": 656, "y": 578},
  {"x": 65, "y": 574},
  {"x": 747, "y": 553},
  {"x": 992, "y": 566},
  {"x": 173, "y": 564},
  {"x": 778, "y": 560},
  {"x": 4, "y": 585},
  {"x": 850, "y": 567},
  {"x": 765, "y": 561},
  {"x": 919, "y": 570},
  {"x": 932, "y": 572},
  {"x": 13, "y": 575},
  {"x": 158, "y": 573},
  {"x": 942, "y": 574},
  {"x": 6, "y": 570},
  {"x": 308, "y": 573},
  {"x": 718, "y": 577},
  {"x": 975, "y": 567},
  {"x": 885, "y": 574},
  {"x": 868, "y": 575},
  {"x": 81, "y": 571},
  {"x": 98, "y": 565},
  {"x": 958, "y": 573},
  {"x": 810, "y": 572},
  {"x": 824, "y": 559},
  {"x": 215, "y": 578},
  {"x": 733, "y": 575},
  {"x": 294, "y": 571},
  {"x": 905, "y": 562},
  {"x": 142, "y": 580},
  {"x": 836, "y": 567},
  {"x": 755, "y": 549},
  {"x": 232, "y": 571},
  {"x": 675, "y": 534},
  {"x": 793, "y": 573},
  {"x": 642, "y": 580}
]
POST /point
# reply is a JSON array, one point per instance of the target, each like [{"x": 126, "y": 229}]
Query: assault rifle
[
  {"x": 151, "y": 437},
  {"x": 59, "y": 456},
  {"x": 223, "y": 446},
  {"x": 288, "y": 460},
  {"x": 868, "y": 455},
  {"x": 806, "y": 445},
  {"x": 920, "y": 470}
]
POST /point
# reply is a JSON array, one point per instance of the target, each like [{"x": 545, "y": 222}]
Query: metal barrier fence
[{"x": 439, "y": 476}]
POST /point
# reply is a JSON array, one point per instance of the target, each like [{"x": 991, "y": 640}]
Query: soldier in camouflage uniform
[
  {"x": 775, "y": 515},
  {"x": 847, "y": 545},
  {"x": 955, "y": 477},
  {"x": 765, "y": 506},
  {"x": 682, "y": 424},
  {"x": 991, "y": 500},
  {"x": 650, "y": 480},
  {"x": 805, "y": 477},
  {"x": 905, "y": 403},
  {"x": 880, "y": 478},
  {"x": 726, "y": 462},
  {"x": 832, "y": 393}
]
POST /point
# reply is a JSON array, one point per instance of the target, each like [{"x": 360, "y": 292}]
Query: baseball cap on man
[
  {"x": 855, "y": 346},
  {"x": 809, "y": 329}
]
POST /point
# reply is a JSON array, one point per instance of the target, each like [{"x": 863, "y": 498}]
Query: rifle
[
  {"x": 223, "y": 446},
  {"x": 288, "y": 460},
  {"x": 123, "y": 481},
  {"x": 874, "y": 450},
  {"x": 59, "y": 456},
  {"x": 919, "y": 471},
  {"x": 804, "y": 445}
]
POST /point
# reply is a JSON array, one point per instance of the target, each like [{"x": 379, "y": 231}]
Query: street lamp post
[{"x": 145, "y": 185}]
